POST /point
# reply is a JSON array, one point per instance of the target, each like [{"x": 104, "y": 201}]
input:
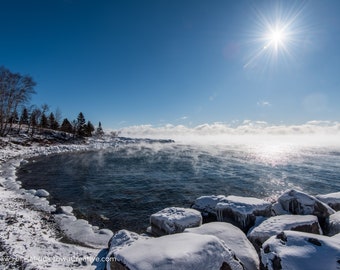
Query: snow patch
[{"x": 174, "y": 220}]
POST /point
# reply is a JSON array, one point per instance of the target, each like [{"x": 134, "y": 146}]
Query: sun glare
[
  {"x": 276, "y": 39},
  {"x": 276, "y": 36}
]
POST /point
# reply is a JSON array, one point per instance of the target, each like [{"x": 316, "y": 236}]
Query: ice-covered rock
[
  {"x": 299, "y": 251},
  {"x": 300, "y": 203},
  {"x": 42, "y": 193},
  {"x": 31, "y": 191},
  {"x": 275, "y": 225},
  {"x": 242, "y": 211},
  {"x": 174, "y": 220},
  {"x": 122, "y": 239},
  {"x": 207, "y": 206},
  {"x": 234, "y": 238},
  {"x": 332, "y": 199},
  {"x": 80, "y": 231},
  {"x": 67, "y": 210},
  {"x": 333, "y": 225},
  {"x": 177, "y": 251}
]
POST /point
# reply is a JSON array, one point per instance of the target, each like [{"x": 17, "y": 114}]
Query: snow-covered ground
[{"x": 29, "y": 237}]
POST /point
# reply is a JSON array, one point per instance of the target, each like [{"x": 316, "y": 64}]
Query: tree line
[{"x": 15, "y": 93}]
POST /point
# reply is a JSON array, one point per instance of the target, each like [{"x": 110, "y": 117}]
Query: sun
[{"x": 276, "y": 36}]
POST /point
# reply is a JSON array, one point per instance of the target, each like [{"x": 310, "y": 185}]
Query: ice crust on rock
[
  {"x": 67, "y": 210},
  {"x": 177, "y": 251},
  {"x": 42, "y": 193},
  {"x": 174, "y": 220},
  {"x": 333, "y": 225},
  {"x": 242, "y": 211},
  {"x": 299, "y": 251},
  {"x": 332, "y": 199},
  {"x": 274, "y": 225},
  {"x": 80, "y": 231},
  {"x": 234, "y": 238},
  {"x": 207, "y": 205}
]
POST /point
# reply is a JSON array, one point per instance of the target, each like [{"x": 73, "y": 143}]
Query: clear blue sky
[{"x": 179, "y": 61}]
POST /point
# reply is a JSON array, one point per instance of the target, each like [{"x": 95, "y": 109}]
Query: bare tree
[{"x": 15, "y": 91}]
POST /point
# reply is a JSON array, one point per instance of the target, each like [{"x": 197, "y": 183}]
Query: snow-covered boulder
[
  {"x": 207, "y": 206},
  {"x": 121, "y": 239},
  {"x": 299, "y": 251},
  {"x": 31, "y": 191},
  {"x": 177, "y": 251},
  {"x": 242, "y": 211},
  {"x": 275, "y": 225},
  {"x": 234, "y": 238},
  {"x": 80, "y": 231},
  {"x": 42, "y": 193},
  {"x": 333, "y": 225},
  {"x": 300, "y": 203},
  {"x": 332, "y": 199},
  {"x": 174, "y": 220}
]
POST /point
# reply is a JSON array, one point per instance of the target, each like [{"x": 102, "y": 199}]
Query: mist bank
[{"x": 318, "y": 133}]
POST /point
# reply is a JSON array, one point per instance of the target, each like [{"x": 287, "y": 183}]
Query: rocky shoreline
[
  {"x": 298, "y": 231},
  {"x": 218, "y": 232}
]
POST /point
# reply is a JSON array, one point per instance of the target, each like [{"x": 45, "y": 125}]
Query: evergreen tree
[
  {"x": 43, "y": 121},
  {"x": 66, "y": 126},
  {"x": 35, "y": 115},
  {"x": 53, "y": 122},
  {"x": 81, "y": 125},
  {"x": 89, "y": 129},
  {"x": 99, "y": 131}
]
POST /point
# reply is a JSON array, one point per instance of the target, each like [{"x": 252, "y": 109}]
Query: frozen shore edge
[{"x": 29, "y": 237}]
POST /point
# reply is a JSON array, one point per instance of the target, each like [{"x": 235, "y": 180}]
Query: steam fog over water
[{"x": 120, "y": 187}]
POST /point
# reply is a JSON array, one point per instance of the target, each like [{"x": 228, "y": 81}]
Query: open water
[{"x": 120, "y": 187}]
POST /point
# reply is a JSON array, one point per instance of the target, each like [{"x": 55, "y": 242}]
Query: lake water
[{"x": 121, "y": 186}]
